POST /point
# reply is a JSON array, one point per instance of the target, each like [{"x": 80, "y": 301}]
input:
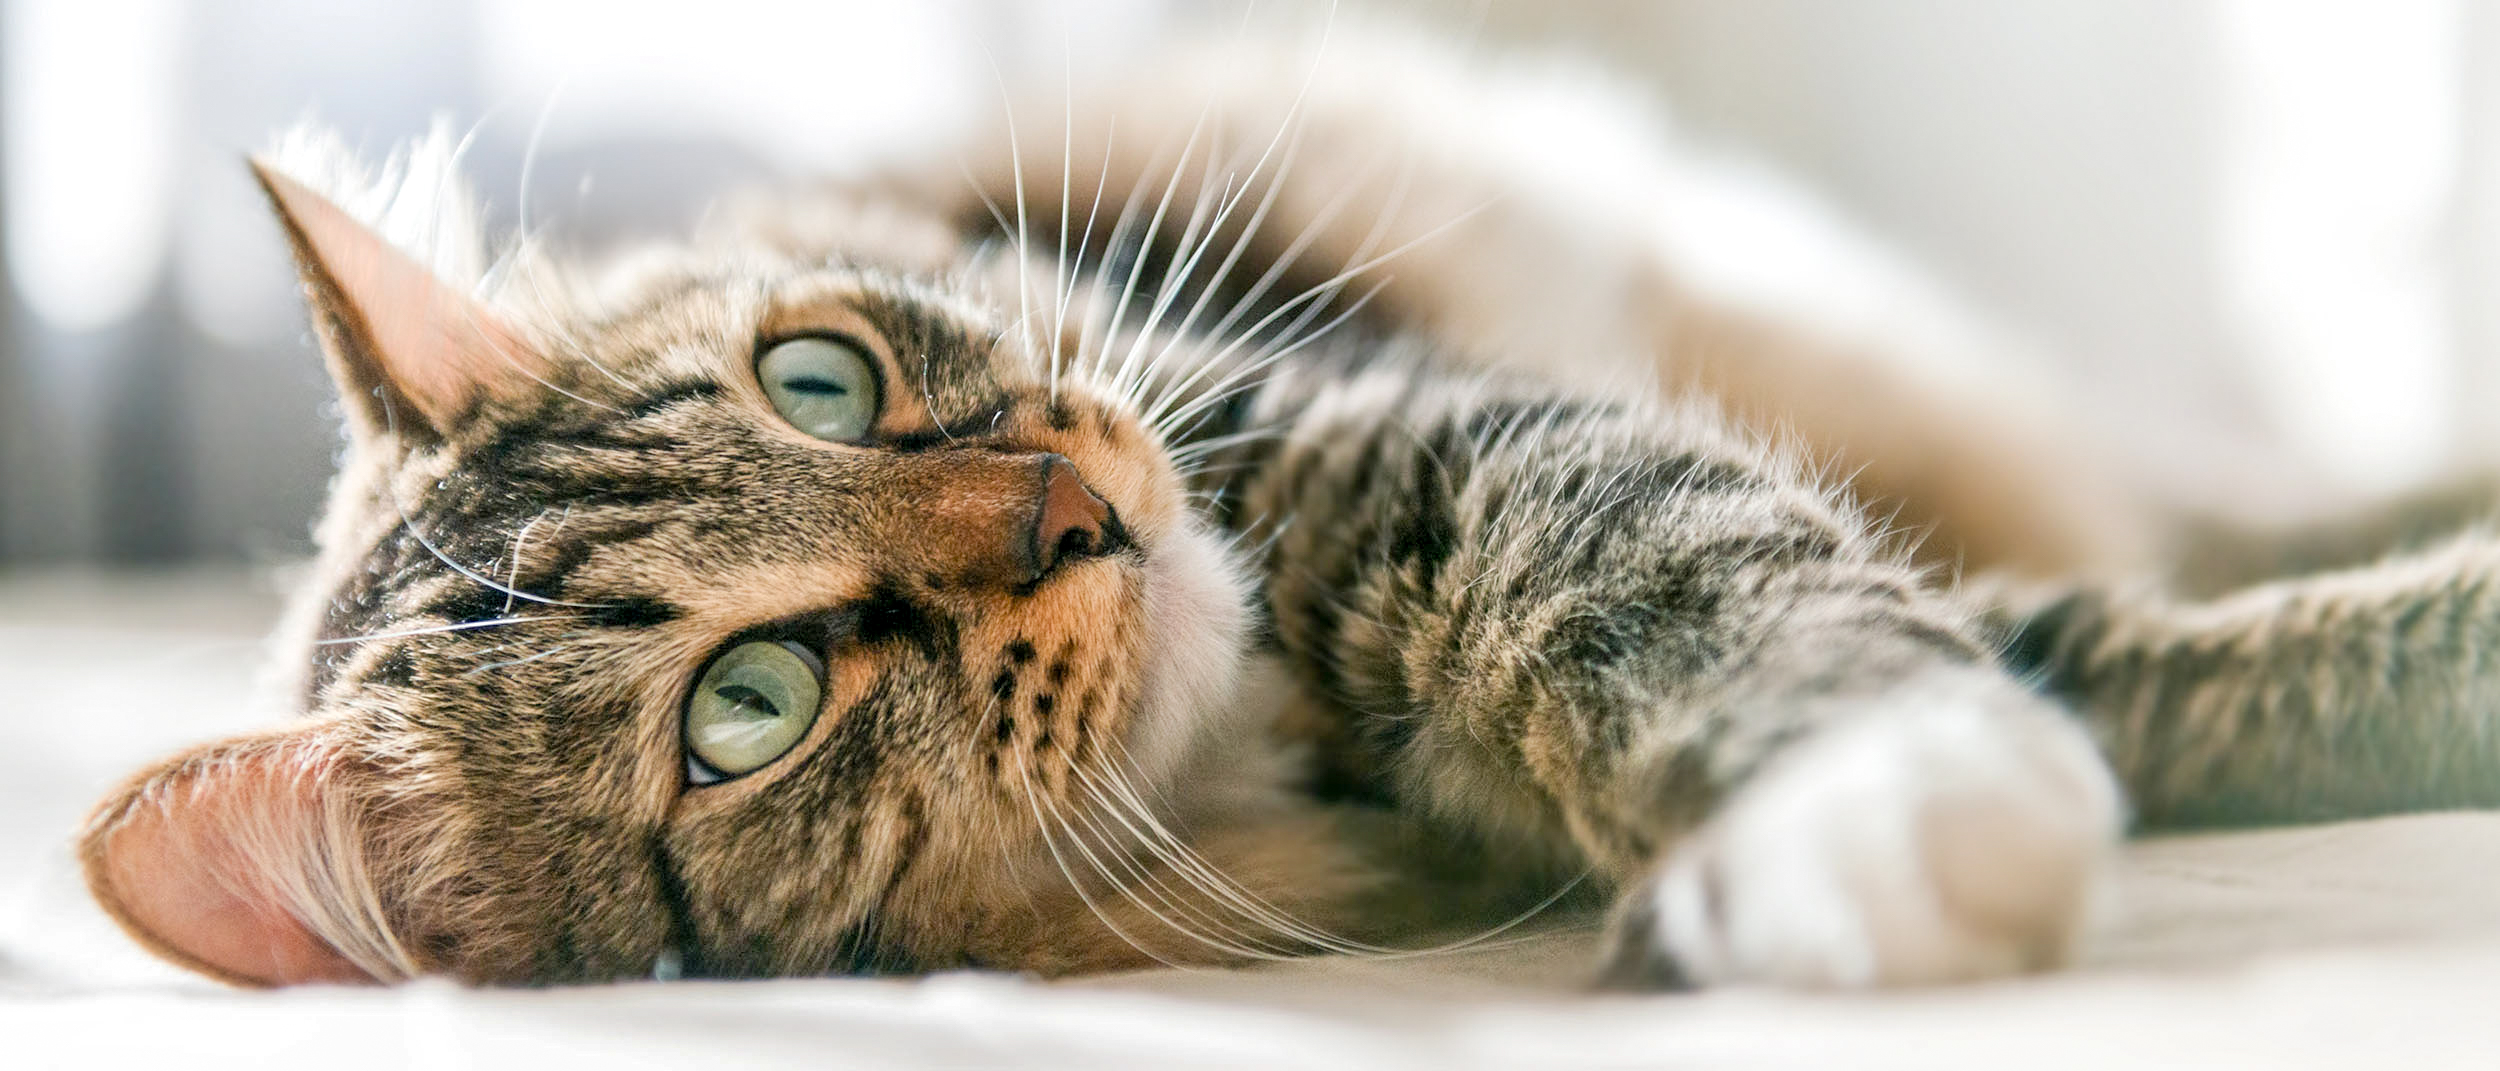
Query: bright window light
[
  {"x": 811, "y": 85},
  {"x": 88, "y": 143},
  {"x": 2339, "y": 157}
]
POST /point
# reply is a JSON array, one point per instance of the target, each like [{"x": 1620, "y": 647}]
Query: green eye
[
  {"x": 822, "y": 387},
  {"x": 753, "y": 704}
]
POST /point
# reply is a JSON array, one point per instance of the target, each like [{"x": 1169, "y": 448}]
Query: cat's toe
[{"x": 1955, "y": 831}]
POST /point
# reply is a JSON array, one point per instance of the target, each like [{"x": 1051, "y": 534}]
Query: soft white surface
[{"x": 2367, "y": 944}]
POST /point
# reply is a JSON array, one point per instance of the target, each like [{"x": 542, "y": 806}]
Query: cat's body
[{"x": 1528, "y": 554}]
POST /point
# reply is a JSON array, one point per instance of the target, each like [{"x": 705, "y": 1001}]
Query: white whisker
[{"x": 1033, "y": 800}]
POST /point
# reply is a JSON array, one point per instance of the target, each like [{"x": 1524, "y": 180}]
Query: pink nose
[{"x": 1070, "y": 522}]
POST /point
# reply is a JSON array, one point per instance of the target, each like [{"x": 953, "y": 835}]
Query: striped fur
[
  {"x": 2363, "y": 691},
  {"x": 1510, "y": 568}
]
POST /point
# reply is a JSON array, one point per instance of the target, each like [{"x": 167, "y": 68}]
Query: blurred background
[
  {"x": 2257, "y": 243},
  {"x": 2269, "y": 229}
]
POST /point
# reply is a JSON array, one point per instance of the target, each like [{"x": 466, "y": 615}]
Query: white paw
[{"x": 1958, "y": 831}]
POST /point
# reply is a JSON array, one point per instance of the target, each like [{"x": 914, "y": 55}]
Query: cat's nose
[{"x": 1070, "y": 522}]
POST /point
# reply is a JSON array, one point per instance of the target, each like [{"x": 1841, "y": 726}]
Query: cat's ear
[
  {"x": 216, "y": 859},
  {"x": 411, "y": 353}
]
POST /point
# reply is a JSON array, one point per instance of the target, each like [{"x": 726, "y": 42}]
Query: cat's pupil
[
  {"x": 812, "y": 385},
  {"x": 746, "y": 703}
]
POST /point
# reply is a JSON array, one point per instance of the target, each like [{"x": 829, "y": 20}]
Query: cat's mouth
[{"x": 1191, "y": 597}]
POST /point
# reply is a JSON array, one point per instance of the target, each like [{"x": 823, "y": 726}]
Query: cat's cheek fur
[
  {"x": 1957, "y": 829},
  {"x": 1197, "y": 609}
]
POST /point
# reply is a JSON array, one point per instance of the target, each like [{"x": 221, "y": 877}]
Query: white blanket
[{"x": 2364, "y": 944}]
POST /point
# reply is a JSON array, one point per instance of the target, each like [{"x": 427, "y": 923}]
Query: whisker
[
  {"x": 1318, "y": 224},
  {"x": 1154, "y": 227},
  {"x": 529, "y": 151},
  {"x": 1289, "y": 134},
  {"x": 1085, "y": 325},
  {"x": 1194, "y": 240},
  {"x": 1192, "y": 869},
  {"x": 1193, "y": 866},
  {"x": 1241, "y": 944},
  {"x": 1033, "y": 801},
  {"x": 511, "y": 592},
  {"x": 1170, "y": 425},
  {"x": 520, "y": 540},
  {"x": 390, "y": 422},
  {"x": 1023, "y": 246},
  {"x": 1312, "y": 300},
  {"x": 1211, "y": 880},
  {"x": 1308, "y": 295},
  {"x": 928, "y": 401},
  {"x": 442, "y": 202},
  {"x": 1067, "y": 161},
  {"x": 1198, "y": 448}
]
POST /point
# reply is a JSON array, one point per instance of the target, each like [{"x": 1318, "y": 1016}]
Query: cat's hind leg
[{"x": 2345, "y": 693}]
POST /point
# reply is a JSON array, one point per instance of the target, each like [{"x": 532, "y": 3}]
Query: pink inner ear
[
  {"x": 438, "y": 346},
  {"x": 173, "y": 868}
]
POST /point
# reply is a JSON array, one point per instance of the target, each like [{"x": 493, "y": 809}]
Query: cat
[{"x": 1305, "y": 502}]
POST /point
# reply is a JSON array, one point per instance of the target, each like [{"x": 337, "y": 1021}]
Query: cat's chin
[{"x": 1197, "y": 616}]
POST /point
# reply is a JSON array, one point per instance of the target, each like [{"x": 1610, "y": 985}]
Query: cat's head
[{"x": 764, "y": 612}]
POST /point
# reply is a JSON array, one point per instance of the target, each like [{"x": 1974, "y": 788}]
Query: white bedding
[{"x": 2365, "y": 944}]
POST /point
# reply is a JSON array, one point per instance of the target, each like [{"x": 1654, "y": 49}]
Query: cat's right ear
[
  {"x": 220, "y": 859},
  {"x": 411, "y": 353}
]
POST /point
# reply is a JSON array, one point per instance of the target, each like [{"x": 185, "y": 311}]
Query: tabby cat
[{"x": 1342, "y": 501}]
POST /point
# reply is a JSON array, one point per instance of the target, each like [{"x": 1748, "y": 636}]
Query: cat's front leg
[
  {"x": 1619, "y": 635},
  {"x": 1950, "y": 827}
]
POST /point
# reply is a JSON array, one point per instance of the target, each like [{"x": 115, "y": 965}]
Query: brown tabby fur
[{"x": 1540, "y": 595}]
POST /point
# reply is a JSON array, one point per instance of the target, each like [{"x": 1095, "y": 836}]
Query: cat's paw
[{"x": 1957, "y": 832}]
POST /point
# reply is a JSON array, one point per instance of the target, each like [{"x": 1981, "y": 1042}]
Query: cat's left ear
[
  {"x": 220, "y": 859},
  {"x": 411, "y": 353}
]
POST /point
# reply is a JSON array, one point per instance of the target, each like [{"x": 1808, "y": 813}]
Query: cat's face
[{"x": 773, "y": 618}]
